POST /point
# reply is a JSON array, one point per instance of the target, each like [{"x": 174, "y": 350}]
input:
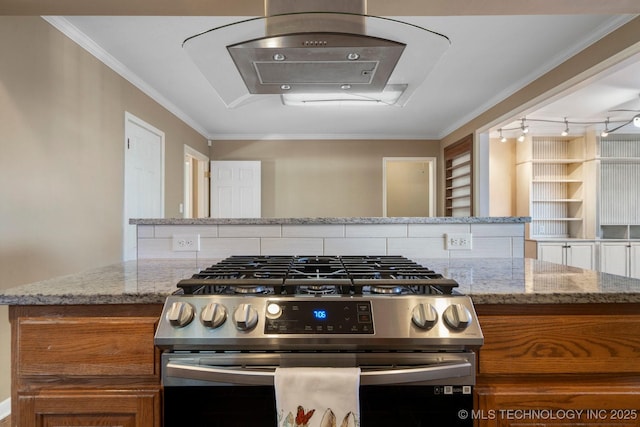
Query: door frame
[
  {"x": 432, "y": 179},
  {"x": 203, "y": 181},
  {"x": 130, "y": 119}
]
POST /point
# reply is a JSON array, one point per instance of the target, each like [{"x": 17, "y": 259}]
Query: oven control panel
[{"x": 319, "y": 316}]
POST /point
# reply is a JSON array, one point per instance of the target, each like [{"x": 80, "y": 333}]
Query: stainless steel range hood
[
  {"x": 310, "y": 47},
  {"x": 316, "y": 62}
]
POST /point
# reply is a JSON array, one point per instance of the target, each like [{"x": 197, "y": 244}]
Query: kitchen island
[
  {"x": 414, "y": 237},
  {"x": 559, "y": 342}
]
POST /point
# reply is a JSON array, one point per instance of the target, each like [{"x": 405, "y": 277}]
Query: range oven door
[{"x": 236, "y": 389}]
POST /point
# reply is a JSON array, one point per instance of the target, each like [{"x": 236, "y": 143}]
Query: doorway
[
  {"x": 196, "y": 184},
  {"x": 143, "y": 178},
  {"x": 408, "y": 186}
]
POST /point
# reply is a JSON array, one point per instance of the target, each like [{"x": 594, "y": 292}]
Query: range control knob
[
  {"x": 213, "y": 315},
  {"x": 457, "y": 317},
  {"x": 180, "y": 314},
  {"x": 245, "y": 317},
  {"x": 424, "y": 316}
]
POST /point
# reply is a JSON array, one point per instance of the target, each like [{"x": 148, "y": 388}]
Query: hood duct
[{"x": 300, "y": 49}]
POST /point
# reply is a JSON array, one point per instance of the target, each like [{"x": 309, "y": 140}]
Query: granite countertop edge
[
  {"x": 329, "y": 220},
  {"x": 487, "y": 281}
]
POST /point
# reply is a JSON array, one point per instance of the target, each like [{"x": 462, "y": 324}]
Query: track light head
[{"x": 565, "y": 132}]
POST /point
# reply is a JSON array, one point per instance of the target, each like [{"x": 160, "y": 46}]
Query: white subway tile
[
  {"x": 436, "y": 230},
  {"x": 486, "y": 247},
  {"x": 355, "y": 246},
  {"x": 376, "y": 230},
  {"x": 291, "y": 246},
  {"x": 249, "y": 231},
  {"x": 517, "y": 247},
  {"x": 224, "y": 247},
  {"x": 160, "y": 248},
  {"x": 313, "y": 230},
  {"x": 145, "y": 231},
  {"x": 170, "y": 230},
  {"x": 497, "y": 230},
  {"x": 421, "y": 247}
]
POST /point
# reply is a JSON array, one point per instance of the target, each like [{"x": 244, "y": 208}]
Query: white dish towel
[{"x": 318, "y": 397}]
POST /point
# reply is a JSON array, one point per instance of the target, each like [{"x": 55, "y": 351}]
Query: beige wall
[
  {"x": 61, "y": 159},
  {"x": 316, "y": 178}
]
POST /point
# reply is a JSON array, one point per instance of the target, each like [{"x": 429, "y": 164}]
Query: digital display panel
[
  {"x": 314, "y": 317},
  {"x": 320, "y": 314}
]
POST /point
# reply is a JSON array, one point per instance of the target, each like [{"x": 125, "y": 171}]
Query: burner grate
[{"x": 319, "y": 275}]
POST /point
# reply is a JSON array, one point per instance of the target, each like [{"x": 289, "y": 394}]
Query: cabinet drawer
[
  {"x": 86, "y": 346},
  {"x": 556, "y": 344}
]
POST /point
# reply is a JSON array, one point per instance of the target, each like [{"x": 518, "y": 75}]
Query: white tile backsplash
[
  {"x": 436, "y": 230},
  {"x": 497, "y": 230},
  {"x": 292, "y": 246},
  {"x": 169, "y": 231},
  {"x": 249, "y": 231},
  {"x": 422, "y": 247},
  {"x": 145, "y": 232},
  {"x": 376, "y": 230},
  {"x": 161, "y": 248},
  {"x": 356, "y": 246},
  {"x": 313, "y": 230},
  {"x": 411, "y": 240},
  {"x": 224, "y": 247}
]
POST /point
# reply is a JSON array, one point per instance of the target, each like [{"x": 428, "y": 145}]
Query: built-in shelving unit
[
  {"x": 459, "y": 178},
  {"x": 551, "y": 169},
  {"x": 619, "y": 200}
]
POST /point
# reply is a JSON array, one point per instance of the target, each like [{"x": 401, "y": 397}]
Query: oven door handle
[{"x": 248, "y": 376}]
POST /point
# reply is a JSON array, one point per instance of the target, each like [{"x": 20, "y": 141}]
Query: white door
[
  {"x": 143, "y": 178},
  {"x": 235, "y": 189}
]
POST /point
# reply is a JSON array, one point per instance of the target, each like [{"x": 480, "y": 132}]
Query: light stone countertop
[
  {"x": 336, "y": 220},
  {"x": 487, "y": 281}
]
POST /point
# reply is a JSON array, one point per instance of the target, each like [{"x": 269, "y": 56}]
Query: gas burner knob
[
  {"x": 245, "y": 317},
  {"x": 180, "y": 314},
  {"x": 213, "y": 315},
  {"x": 424, "y": 316},
  {"x": 457, "y": 317}
]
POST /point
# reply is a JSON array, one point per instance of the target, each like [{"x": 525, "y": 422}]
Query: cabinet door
[
  {"x": 552, "y": 252},
  {"x": 634, "y": 260},
  {"x": 580, "y": 255},
  {"x": 89, "y": 408},
  {"x": 614, "y": 258},
  {"x": 553, "y": 405}
]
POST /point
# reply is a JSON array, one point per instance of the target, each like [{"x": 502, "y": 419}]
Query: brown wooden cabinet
[
  {"x": 85, "y": 366},
  {"x": 569, "y": 365}
]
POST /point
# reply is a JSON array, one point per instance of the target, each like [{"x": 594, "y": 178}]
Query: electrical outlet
[
  {"x": 458, "y": 241},
  {"x": 186, "y": 243}
]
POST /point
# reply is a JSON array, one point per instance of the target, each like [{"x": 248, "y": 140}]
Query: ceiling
[{"x": 490, "y": 58}]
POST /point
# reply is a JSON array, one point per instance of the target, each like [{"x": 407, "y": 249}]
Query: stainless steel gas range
[{"x": 226, "y": 330}]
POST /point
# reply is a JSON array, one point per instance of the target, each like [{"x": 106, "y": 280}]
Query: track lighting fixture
[
  {"x": 565, "y": 132},
  {"x": 605, "y": 132},
  {"x": 524, "y": 127}
]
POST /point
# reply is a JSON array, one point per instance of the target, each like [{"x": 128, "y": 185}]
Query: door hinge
[
  {"x": 128, "y": 144},
  {"x": 207, "y": 174}
]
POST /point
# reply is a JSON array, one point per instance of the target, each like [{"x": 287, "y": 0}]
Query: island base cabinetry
[
  {"x": 569, "y": 365},
  {"x": 85, "y": 366}
]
